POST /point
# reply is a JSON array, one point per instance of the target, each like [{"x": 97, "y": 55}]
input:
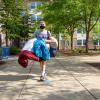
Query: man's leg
[{"x": 43, "y": 68}]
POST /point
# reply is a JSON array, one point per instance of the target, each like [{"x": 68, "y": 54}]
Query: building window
[
  {"x": 36, "y": 18},
  {"x": 79, "y": 31},
  {"x": 35, "y": 15},
  {"x": 39, "y": 4},
  {"x": 97, "y": 42},
  {"x": 84, "y": 42},
  {"x": 79, "y": 42},
  {"x": 39, "y": 18},
  {"x": 33, "y": 6}
]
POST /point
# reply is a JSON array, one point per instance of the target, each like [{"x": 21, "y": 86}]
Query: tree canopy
[
  {"x": 14, "y": 24},
  {"x": 69, "y": 14}
]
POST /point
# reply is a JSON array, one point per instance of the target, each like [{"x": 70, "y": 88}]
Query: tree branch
[
  {"x": 89, "y": 21},
  {"x": 94, "y": 23}
]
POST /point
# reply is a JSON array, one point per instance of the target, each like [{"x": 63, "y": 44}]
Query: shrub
[
  {"x": 78, "y": 50},
  {"x": 14, "y": 50}
]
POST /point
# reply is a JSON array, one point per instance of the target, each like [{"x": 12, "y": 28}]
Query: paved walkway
[{"x": 70, "y": 78}]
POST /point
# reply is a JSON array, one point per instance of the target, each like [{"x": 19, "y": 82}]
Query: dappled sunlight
[
  {"x": 69, "y": 95},
  {"x": 91, "y": 59},
  {"x": 13, "y": 77},
  {"x": 41, "y": 90},
  {"x": 64, "y": 77},
  {"x": 60, "y": 89}
]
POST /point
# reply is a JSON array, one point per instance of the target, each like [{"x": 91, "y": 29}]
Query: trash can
[
  {"x": 0, "y": 53},
  {"x": 4, "y": 52}
]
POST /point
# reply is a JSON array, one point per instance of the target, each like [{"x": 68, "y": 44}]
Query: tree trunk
[
  {"x": 88, "y": 25},
  {"x": 17, "y": 43},
  {"x": 6, "y": 39},
  {"x": 0, "y": 41},
  {"x": 58, "y": 40},
  {"x": 71, "y": 40},
  {"x": 87, "y": 41}
]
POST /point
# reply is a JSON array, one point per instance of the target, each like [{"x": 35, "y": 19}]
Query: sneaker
[
  {"x": 42, "y": 78},
  {"x": 46, "y": 73}
]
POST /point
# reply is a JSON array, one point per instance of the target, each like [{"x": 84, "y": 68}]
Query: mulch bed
[
  {"x": 96, "y": 65},
  {"x": 64, "y": 53}
]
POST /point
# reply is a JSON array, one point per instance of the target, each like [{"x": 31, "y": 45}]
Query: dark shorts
[{"x": 53, "y": 52}]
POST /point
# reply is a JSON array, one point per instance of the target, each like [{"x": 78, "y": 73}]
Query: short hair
[{"x": 42, "y": 23}]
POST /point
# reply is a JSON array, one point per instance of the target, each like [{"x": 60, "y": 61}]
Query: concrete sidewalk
[{"x": 69, "y": 78}]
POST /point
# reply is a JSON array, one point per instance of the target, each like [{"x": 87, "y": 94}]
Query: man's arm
[{"x": 49, "y": 37}]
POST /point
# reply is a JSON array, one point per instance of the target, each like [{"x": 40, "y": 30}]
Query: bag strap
[{"x": 48, "y": 35}]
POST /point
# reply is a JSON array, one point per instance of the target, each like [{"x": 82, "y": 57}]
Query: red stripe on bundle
[{"x": 24, "y": 56}]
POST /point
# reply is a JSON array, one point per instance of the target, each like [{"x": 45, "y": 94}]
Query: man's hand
[{"x": 48, "y": 41}]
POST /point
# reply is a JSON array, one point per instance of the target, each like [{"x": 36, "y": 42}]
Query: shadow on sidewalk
[
  {"x": 71, "y": 65},
  {"x": 55, "y": 67},
  {"x": 70, "y": 95},
  {"x": 13, "y": 66},
  {"x": 96, "y": 65},
  {"x": 65, "y": 94},
  {"x": 14, "y": 77}
]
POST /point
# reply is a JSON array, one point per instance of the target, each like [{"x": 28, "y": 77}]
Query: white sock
[{"x": 43, "y": 71}]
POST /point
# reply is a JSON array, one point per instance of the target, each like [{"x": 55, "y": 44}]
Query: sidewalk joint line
[
  {"x": 24, "y": 83},
  {"x": 77, "y": 80}
]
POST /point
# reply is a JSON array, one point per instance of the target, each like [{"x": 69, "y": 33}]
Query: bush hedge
[{"x": 14, "y": 50}]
